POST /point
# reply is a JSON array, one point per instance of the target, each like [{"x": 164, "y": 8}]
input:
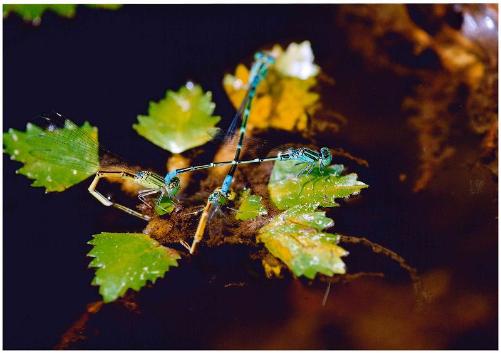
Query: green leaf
[
  {"x": 127, "y": 260},
  {"x": 180, "y": 121},
  {"x": 295, "y": 237},
  {"x": 250, "y": 207},
  {"x": 323, "y": 188},
  {"x": 55, "y": 159},
  {"x": 34, "y": 12}
]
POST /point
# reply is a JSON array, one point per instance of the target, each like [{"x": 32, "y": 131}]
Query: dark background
[{"x": 104, "y": 67}]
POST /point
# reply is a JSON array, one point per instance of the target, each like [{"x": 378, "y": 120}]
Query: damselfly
[
  {"x": 109, "y": 166},
  {"x": 221, "y": 196},
  {"x": 301, "y": 155}
]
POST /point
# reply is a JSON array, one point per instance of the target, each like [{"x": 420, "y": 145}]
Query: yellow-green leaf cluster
[
  {"x": 285, "y": 99},
  {"x": 180, "y": 121},
  {"x": 288, "y": 188},
  {"x": 296, "y": 237},
  {"x": 127, "y": 260}
]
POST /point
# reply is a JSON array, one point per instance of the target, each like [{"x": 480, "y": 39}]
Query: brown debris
[
  {"x": 431, "y": 118},
  {"x": 159, "y": 229},
  {"x": 433, "y": 46}
]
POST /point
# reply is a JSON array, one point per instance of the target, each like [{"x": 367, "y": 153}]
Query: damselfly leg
[
  {"x": 143, "y": 194},
  {"x": 106, "y": 201}
]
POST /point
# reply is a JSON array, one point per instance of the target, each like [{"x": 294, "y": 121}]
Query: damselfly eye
[
  {"x": 326, "y": 156},
  {"x": 213, "y": 198},
  {"x": 174, "y": 183}
]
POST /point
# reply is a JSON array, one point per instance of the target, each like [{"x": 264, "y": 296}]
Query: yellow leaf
[
  {"x": 281, "y": 102},
  {"x": 297, "y": 238},
  {"x": 272, "y": 267},
  {"x": 235, "y": 85},
  {"x": 294, "y": 103}
]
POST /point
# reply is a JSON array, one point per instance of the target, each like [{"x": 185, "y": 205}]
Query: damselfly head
[
  {"x": 264, "y": 56},
  {"x": 326, "y": 156},
  {"x": 218, "y": 198},
  {"x": 267, "y": 60},
  {"x": 141, "y": 175},
  {"x": 173, "y": 186}
]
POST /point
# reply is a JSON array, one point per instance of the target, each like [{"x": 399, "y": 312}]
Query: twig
[
  {"x": 341, "y": 152},
  {"x": 350, "y": 277},
  {"x": 379, "y": 249},
  {"x": 235, "y": 284},
  {"x": 76, "y": 332},
  {"x": 326, "y": 294}
]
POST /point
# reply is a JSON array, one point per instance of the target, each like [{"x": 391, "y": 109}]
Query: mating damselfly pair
[{"x": 61, "y": 135}]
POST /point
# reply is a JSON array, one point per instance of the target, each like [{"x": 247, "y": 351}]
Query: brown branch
[
  {"x": 350, "y": 277},
  {"x": 342, "y": 153},
  {"x": 76, "y": 332},
  {"x": 379, "y": 249}
]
